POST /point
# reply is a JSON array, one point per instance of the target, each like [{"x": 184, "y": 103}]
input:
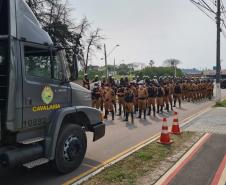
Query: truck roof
[{"x": 24, "y": 25}]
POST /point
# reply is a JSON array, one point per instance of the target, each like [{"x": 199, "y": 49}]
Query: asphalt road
[{"x": 119, "y": 137}]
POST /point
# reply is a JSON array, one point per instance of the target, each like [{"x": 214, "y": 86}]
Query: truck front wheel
[{"x": 70, "y": 149}]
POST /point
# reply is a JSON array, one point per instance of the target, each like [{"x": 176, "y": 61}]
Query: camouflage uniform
[
  {"x": 121, "y": 101},
  {"x": 129, "y": 98},
  {"x": 96, "y": 97},
  {"x": 108, "y": 101},
  {"x": 160, "y": 103},
  {"x": 142, "y": 100},
  {"x": 152, "y": 93},
  {"x": 177, "y": 94}
]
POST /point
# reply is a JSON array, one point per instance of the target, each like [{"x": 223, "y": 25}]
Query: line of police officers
[{"x": 145, "y": 97}]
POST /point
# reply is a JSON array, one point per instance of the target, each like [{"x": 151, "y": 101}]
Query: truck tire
[{"x": 70, "y": 148}]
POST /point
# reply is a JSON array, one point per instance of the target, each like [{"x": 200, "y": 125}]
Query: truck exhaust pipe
[{"x": 20, "y": 156}]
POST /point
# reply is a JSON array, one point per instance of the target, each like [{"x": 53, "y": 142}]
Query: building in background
[{"x": 192, "y": 72}]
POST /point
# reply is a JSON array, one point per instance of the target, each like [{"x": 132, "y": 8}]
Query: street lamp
[{"x": 107, "y": 55}]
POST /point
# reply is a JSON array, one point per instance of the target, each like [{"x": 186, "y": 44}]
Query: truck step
[
  {"x": 33, "y": 140},
  {"x": 36, "y": 163}
]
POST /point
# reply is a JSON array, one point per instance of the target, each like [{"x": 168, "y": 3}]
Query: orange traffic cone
[
  {"x": 175, "y": 128},
  {"x": 165, "y": 137}
]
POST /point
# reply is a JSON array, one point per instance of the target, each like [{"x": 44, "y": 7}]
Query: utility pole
[
  {"x": 105, "y": 58},
  {"x": 218, "y": 62},
  {"x": 175, "y": 70},
  {"x": 114, "y": 68}
]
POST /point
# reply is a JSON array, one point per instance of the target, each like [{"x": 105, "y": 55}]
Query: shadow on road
[{"x": 45, "y": 175}]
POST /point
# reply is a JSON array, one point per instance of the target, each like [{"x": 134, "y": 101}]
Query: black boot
[
  {"x": 167, "y": 107},
  {"x": 132, "y": 118},
  {"x": 145, "y": 114},
  {"x": 127, "y": 116},
  {"x": 106, "y": 114},
  {"x": 139, "y": 114},
  {"x": 120, "y": 111},
  {"x": 162, "y": 109},
  {"x": 171, "y": 105},
  {"x": 113, "y": 115},
  {"x": 154, "y": 111},
  {"x": 174, "y": 103},
  {"x": 149, "y": 111},
  {"x": 158, "y": 109}
]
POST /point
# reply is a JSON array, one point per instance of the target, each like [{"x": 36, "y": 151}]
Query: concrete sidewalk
[{"x": 206, "y": 165}]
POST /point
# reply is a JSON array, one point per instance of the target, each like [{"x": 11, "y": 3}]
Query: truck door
[{"x": 44, "y": 92}]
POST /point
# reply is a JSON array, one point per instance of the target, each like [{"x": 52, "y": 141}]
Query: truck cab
[{"x": 43, "y": 115}]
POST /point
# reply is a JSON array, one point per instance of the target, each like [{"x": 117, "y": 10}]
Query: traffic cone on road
[
  {"x": 175, "y": 127},
  {"x": 165, "y": 136}
]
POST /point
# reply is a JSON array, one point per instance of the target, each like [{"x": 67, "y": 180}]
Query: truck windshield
[
  {"x": 61, "y": 55},
  {"x": 3, "y": 17}
]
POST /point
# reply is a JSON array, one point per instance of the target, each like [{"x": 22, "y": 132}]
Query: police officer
[
  {"x": 86, "y": 82},
  {"x": 171, "y": 90},
  {"x": 160, "y": 94},
  {"x": 129, "y": 99},
  {"x": 96, "y": 96},
  {"x": 121, "y": 103},
  {"x": 142, "y": 99},
  {"x": 96, "y": 79},
  {"x": 108, "y": 101},
  {"x": 102, "y": 91},
  {"x": 166, "y": 96},
  {"x": 177, "y": 94},
  {"x": 152, "y": 94},
  {"x": 135, "y": 99},
  {"x": 103, "y": 81}
]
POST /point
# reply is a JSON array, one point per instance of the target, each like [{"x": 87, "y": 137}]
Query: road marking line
[
  {"x": 169, "y": 175},
  {"x": 220, "y": 176},
  {"x": 194, "y": 116},
  {"x": 95, "y": 170}
]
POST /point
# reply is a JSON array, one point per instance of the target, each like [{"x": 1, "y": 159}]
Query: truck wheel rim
[{"x": 72, "y": 148}]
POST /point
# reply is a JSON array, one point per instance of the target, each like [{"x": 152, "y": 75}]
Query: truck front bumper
[{"x": 98, "y": 131}]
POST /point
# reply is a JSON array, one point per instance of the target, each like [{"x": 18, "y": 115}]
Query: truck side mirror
[{"x": 74, "y": 74}]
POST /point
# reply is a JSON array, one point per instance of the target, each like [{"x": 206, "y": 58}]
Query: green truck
[{"x": 44, "y": 117}]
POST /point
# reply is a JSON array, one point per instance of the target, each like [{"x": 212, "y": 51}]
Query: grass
[
  {"x": 221, "y": 104},
  {"x": 127, "y": 171}
]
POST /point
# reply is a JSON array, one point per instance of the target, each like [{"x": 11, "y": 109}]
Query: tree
[
  {"x": 173, "y": 63},
  {"x": 158, "y": 71},
  {"x": 151, "y": 63},
  {"x": 124, "y": 69},
  {"x": 55, "y": 18},
  {"x": 92, "y": 43}
]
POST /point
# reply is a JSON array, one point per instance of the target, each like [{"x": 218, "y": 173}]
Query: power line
[
  {"x": 208, "y": 7},
  {"x": 198, "y": 6}
]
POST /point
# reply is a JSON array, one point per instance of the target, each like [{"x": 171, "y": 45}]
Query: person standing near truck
[
  {"x": 108, "y": 101},
  {"x": 86, "y": 83},
  {"x": 96, "y": 96}
]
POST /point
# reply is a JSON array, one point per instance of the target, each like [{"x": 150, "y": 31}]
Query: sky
[{"x": 153, "y": 30}]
